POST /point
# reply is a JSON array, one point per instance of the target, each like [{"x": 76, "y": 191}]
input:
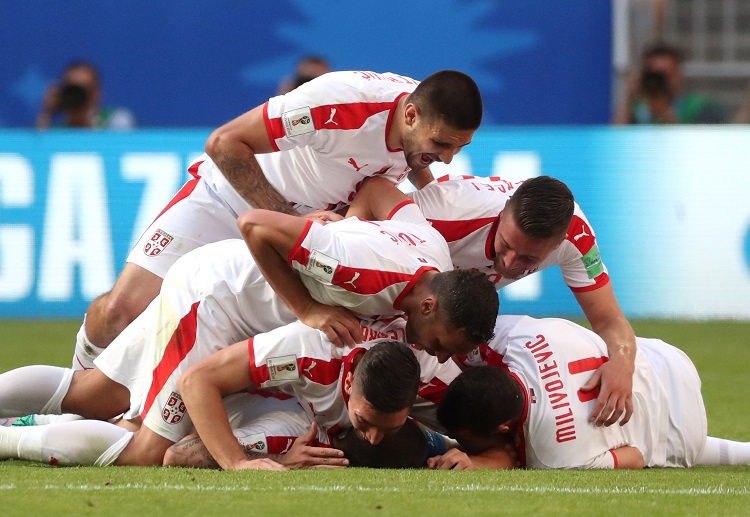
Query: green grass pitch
[{"x": 720, "y": 350}]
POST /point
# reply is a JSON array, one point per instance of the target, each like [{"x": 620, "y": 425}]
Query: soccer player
[
  {"x": 306, "y": 150},
  {"x": 526, "y": 388},
  {"x": 518, "y": 228},
  {"x": 371, "y": 387}
]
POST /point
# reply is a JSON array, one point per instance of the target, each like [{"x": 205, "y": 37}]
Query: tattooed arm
[
  {"x": 191, "y": 452},
  {"x": 233, "y": 147}
]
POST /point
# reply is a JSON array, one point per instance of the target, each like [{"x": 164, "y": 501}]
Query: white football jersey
[
  {"x": 553, "y": 358},
  {"x": 369, "y": 266},
  {"x": 466, "y": 210},
  {"x": 300, "y": 361},
  {"x": 330, "y": 134}
]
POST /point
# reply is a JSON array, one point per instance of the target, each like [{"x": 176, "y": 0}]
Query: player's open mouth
[{"x": 425, "y": 160}]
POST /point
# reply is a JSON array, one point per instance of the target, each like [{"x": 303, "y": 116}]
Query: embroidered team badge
[
  {"x": 283, "y": 368},
  {"x": 298, "y": 122},
  {"x": 157, "y": 243},
  {"x": 322, "y": 266},
  {"x": 174, "y": 410}
]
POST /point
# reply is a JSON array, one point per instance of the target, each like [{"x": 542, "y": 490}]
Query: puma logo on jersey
[
  {"x": 582, "y": 234},
  {"x": 354, "y": 164},
  {"x": 289, "y": 443},
  {"x": 330, "y": 119},
  {"x": 354, "y": 279},
  {"x": 308, "y": 370}
]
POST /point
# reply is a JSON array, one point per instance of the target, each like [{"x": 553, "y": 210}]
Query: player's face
[
  {"x": 435, "y": 337},
  {"x": 515, "y": 253},
  {"x": 427, "y": 141},
  {"x": 368, "y": 423}
]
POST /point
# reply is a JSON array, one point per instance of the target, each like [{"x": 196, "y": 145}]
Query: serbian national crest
[
  {"x": 157, "y": 243},
  {"x": 174, "y": 410}
]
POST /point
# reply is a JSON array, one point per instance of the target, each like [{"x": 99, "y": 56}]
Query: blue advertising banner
[{"x": 669, "y": 207}]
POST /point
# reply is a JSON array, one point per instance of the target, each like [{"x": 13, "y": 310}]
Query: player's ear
[
  {"x": 348, "y": 380},
  {"x": 429, "y": 306},
  {"x": 411, "y": 114},
  {"x": 503, "y": 429}
]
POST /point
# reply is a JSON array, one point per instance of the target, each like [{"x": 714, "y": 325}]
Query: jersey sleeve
[{"x": 579, "y": 257}]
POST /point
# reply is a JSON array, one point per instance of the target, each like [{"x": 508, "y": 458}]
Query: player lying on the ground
[
  {"x": 538, "y": 405},
  {"x": 371, "y": 387},
  {"x": 309, "y": 149},
  {"x": 538, "y": 227}
]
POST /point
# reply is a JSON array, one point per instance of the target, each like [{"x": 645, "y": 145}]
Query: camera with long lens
[{"x": 72, "y": 97}]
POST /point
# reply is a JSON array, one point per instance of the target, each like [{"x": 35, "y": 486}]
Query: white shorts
[
  {"x": 688, "y": 426},
  {"x": 195, "y": 216},
  {"x": 198, "y": 312}
]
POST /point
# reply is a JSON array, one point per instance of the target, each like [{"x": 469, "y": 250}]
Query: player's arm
[
  {"x": 202, "y": 388},
  {"x": 271, "y": 237},
  {"x": 456, "y": 459},
  {"x": 233, "y": 147},
  {"x": 615, "y": 376},
  {"x": 420, "y": 178},
  {"x": 192, "y": 452},
  {"x": 376, "y": 199}
]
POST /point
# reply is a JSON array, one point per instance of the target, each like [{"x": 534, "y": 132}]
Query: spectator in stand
[
  {"x": 656, "y": 95},
  {"x": 76, "y": 102}
]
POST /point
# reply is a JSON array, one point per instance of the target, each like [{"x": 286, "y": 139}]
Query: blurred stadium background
[{"x": 669, "y": 205}]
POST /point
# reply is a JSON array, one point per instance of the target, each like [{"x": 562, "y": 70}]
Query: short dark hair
[
  {"x": 661, "y": 48},
  {"x": 468, "y": 300},
  {"x": 406, "y": 449},
  {"x": 388, "y": 376},
  {"x": 451, "y": 96},
  {"x": 542, "y": 208},
  {"x": 480, "y": 399}
]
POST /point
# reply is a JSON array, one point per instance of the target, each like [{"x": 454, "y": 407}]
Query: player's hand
[
  {"x": 302, "y": 455},
  {"x": 324, "y": 216},
  {"x": 454, "y": 459},
  {"x": 338, "y": 323},
  {"x": 259, "y": 464},
  {"x": 614, "y": 379}
]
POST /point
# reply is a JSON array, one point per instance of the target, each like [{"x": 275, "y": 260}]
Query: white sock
[
  {"x": 83, "y": 442},
  {"x": 33, "y": 389},
  {"x": 719, "y": 451},
  {"x": 86, "y": 351}
]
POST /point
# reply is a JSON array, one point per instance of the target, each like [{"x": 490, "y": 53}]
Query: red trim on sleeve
[
  {"x": 180, "y": 344},
  {"x": 274, "y": 127},
  {"x": 399, "y": 207},
  {"x": 259, "y": 373},
  {"x": 184, "y": 192},
  {"x": 298, "y": 253},
  {"x": 599, "y": 281}
]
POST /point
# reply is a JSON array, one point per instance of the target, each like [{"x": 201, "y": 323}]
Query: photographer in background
[
  {"x": 307, "y": 69},
  {"x": 656, "y": 96},
  {"x": 75, "y": 102}
]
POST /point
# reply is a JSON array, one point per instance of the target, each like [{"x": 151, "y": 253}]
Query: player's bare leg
[
  {"x": 145, "y": 449},
  {"x": 110, "y": 313}
]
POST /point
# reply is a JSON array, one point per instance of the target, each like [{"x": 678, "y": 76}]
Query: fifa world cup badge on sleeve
[
  {"x": 322, "y": 266},
  {"x": 298, "y": 122},
  {"x": 157, "y": 243},
  {"x": 255, "y": 442},
  {"x": 174, "y": 410},
  {"x": 283, "y": 368}
]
